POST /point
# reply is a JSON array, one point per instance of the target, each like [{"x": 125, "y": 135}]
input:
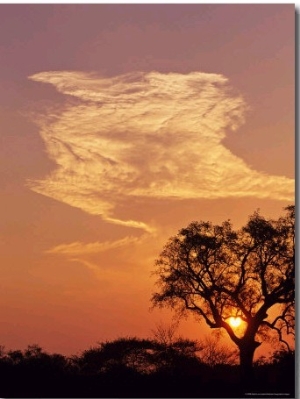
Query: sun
[{"x": 235, "y": 321}]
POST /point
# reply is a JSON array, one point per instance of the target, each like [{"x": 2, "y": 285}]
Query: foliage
[
  {"x": 131, "y": 353},
  {"x": 178, "y": 372}
]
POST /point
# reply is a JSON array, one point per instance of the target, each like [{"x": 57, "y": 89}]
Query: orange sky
[{"x": 120, "y": 124}]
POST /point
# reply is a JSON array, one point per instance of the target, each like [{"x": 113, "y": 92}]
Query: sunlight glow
[{"x": 235, "y": 321}]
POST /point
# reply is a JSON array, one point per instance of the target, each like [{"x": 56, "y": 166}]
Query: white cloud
[{"x": 146, "y": 135}]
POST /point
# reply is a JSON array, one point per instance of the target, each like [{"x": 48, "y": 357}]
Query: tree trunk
[{"x": 246, "y": 363}]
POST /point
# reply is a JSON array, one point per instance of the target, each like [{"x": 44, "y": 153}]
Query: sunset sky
[{"x": 120, "y": 124}]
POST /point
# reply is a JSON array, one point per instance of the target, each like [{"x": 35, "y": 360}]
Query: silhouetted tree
[
  {"x": 131, "y": 353},
  {"x": 143, "y": 356},
  {"x": 165, "y": 334},
  {"x": 15, "y": 356},
  {"x": 134, "y": 368},
  {"x": 174, "y": 354},
  {"x": 216, "y": 272},
  {"x": 213, "y": 353}
]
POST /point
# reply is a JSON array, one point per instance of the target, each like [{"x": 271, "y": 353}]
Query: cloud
[
  {"x": 106, "y": 260},
  {"x": 146, "y": 135},
  {"x": 79, "y": 248}
]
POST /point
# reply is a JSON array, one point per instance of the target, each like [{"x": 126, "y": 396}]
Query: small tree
[
  {"x": 218, "y": 273},
  {"x": 213, "y": 353},
  {"x": 166, "y": 334}
]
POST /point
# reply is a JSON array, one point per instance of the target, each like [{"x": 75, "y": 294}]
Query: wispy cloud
[
  {"x": 79, "y": 248},
  {"x": 105, "y": 260},
  {"x": 146, "y": 135}
]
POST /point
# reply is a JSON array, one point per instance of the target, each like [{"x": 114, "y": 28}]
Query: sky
[{"x": 119, "y": 125}]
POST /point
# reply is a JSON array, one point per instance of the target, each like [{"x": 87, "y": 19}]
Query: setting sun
[{"x": 235, "y": 321}]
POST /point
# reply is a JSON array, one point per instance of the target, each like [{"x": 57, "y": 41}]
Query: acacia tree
[{"x": 216, "y": 272}]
